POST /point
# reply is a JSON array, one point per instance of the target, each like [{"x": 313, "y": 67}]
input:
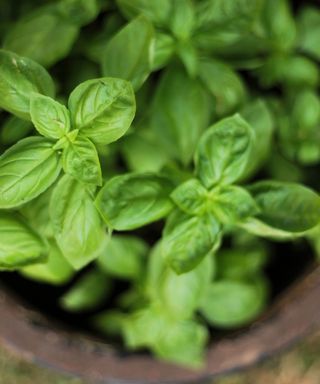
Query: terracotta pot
[{"x": 40, "y": 341}]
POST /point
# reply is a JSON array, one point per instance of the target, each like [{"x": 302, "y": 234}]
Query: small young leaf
[
  {"x": 230, "y": 304},
  {"x": 20, "y": 77},
  {"x": 80, "y": 160},
  {"x": 27, "y": 169},
  {"x": 188, "y": 239},
  {"x": 224, "y": 151},
  {"x": 54, "y": 271},
  {"x": 90, "y": 291},
  {"x": 128, "y": 55},
  {"x": 102, "y": 109},
  {"x": 191, "y": 197},
  {"x": 286, "y": 206},
  {"x": 231, "y": 204},
  {"x": 123, "y": 257},
  {"x": 133, "y": 200},
  {"x": 50, "y": 118},
  {"x": 76, "y": 222},
  {"x": 19, "y": 244}
]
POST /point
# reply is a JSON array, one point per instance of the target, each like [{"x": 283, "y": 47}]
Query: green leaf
[
  {"x": 54, "y": 271},
  {"x": 279, "y": 23},
  {"x": 224, "y": 151},
  {"x": 224, "y": 84},
  {"x": 309, "y": 31},
  {"x": 133, "y": 200},
  {"x": 141, "y": 153},
  {"x": 76, "y": 222},
  {"x": 177, "y": 131},
  {"x": 20, "y": 77},
  {"x": 262, "y": 121},
  {"x": 241, "y": 263},
  {"x": 189, "y": 239},
  {"x": 80, "y": 160},
  {"x": 79, "y": 12},
  {"x": 176, "y": 341},
  {"x": 50, "y": 118},
  {"x": 128, "y": 55},
  {"x": 191, "y": 197},
  {"x": 157, "y": 11},
  {"x": 183, "y": 343},
  {"x": 231, "y": 204},
  {"x": 123, "y": 257},
  {"x": 182, "y": 19},
  {"x": 144, "y": 327},
  {"x": 19, "y": 244},
  {"x": 258, "y": 228},
  {"x": 238, "y": 14},
  {"x": 164, "y": 49},
  {"x": 42, "y": 35},
  {"x": 14, "y": 129},
  {"x": 222, "y": 23},
  {"x": 27, "y": 169},
  {"x": 286, "y": 206},
  {"x": 102, "y": 109},
  {"x": 189, "y": 56},
  {"x": 88, "y": 292},
  {"x": 108, "y": 322},
  {"x": 231, "y": 304},
  {"x": 292, "y": 71},
  {"x": 36, "y": 213},
  {"x": 180, "y": 295}
]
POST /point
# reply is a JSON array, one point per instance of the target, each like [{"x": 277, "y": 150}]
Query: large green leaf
[
  {"x": 76, "y": 222},
  {"x": 27, "y": 169},
  {"x": 286, "y": 206},
  {"x": 103, "y": 109},
  {"x": 189, "y": 239},
  {"x": 128, "y": 55},
  {"x": 224, "y": 151},
  {"x": 19, "y": 78},
  {"x": 19, "y": 244},
  {"x": 133, "y": 200},
  {"x": 42, "y": 35},
  {"x": 180, "y": 113}
]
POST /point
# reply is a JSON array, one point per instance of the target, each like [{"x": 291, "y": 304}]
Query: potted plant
[{"x": 158, "y": 157}]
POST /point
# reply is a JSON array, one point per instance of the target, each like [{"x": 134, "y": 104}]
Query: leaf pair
[
  {"x": 100, "y": 112},
  {"x": 223, "y": 157},
  {"x": 206, "y": 203}
]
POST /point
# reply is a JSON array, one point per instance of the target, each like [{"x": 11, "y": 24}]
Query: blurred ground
[{"x": 299, "y": 365}]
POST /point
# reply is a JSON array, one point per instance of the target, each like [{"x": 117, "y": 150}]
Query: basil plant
[{"x": 164, "y": 149}]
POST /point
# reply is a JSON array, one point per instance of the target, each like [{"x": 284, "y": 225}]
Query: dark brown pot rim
[{"x": 38, "y": 340}]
